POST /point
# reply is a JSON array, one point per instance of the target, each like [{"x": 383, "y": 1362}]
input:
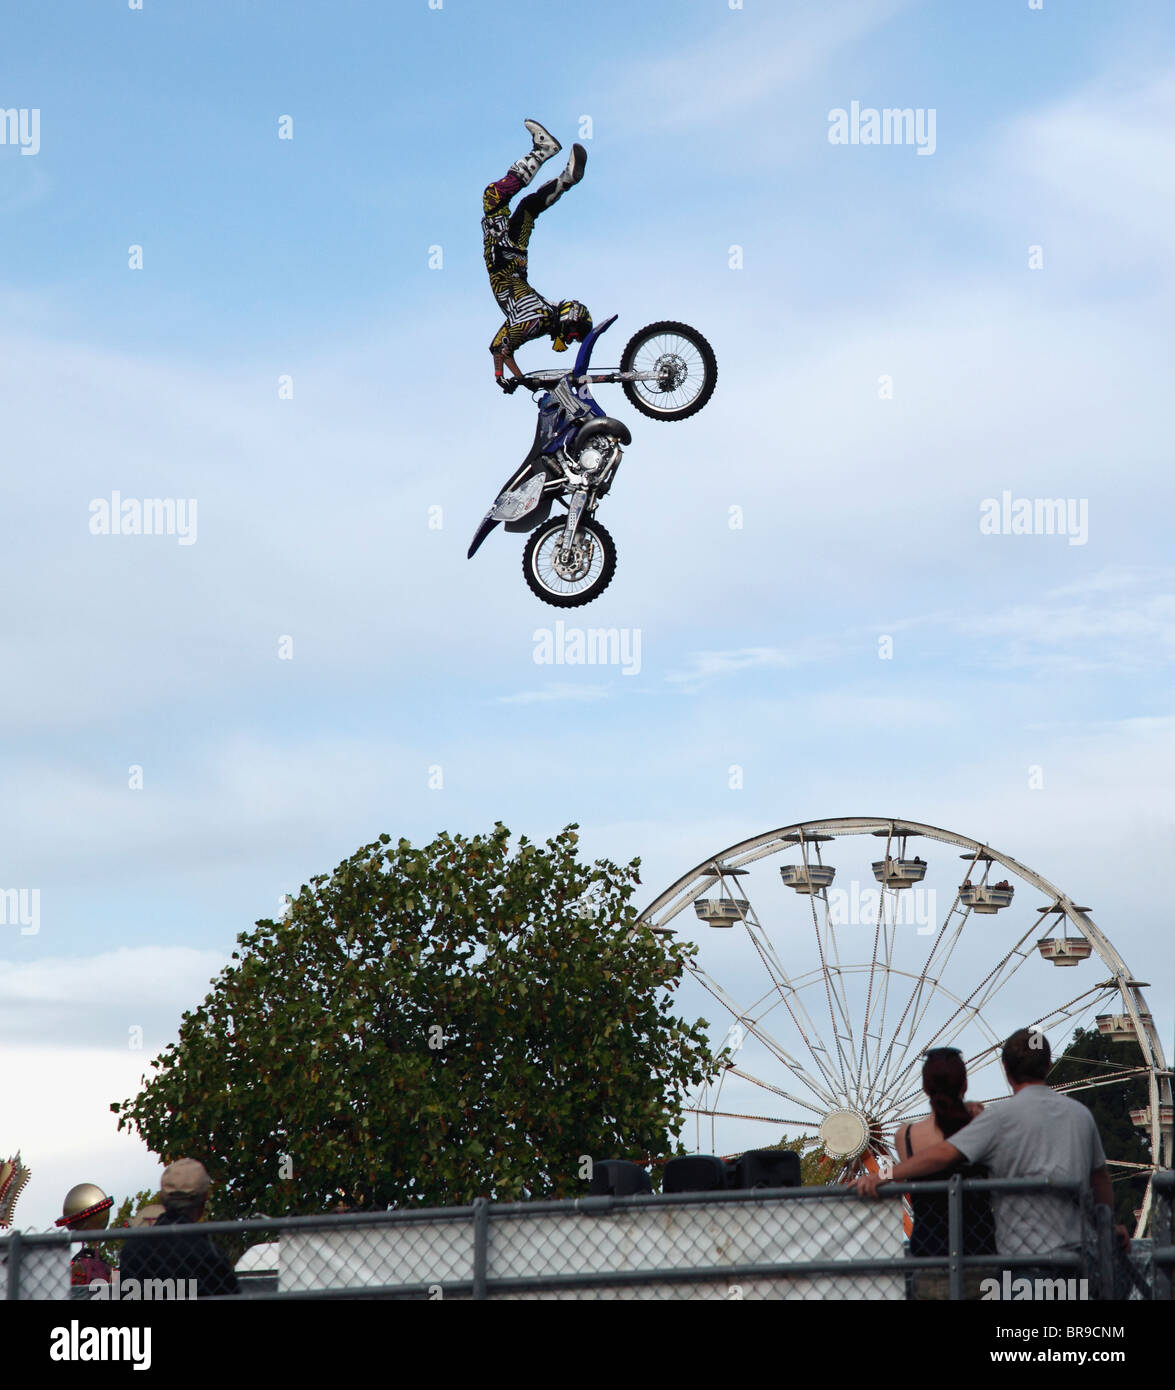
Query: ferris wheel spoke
[
  {"x": 836, "y": 1034},
  {"x": 882, "y": 1068},
  {"x": 1110, "y": 1079},
  {"x": 779, "y": 977},
  {"x": 886, "y": 1066},
  {"x": 922, "y": 997},
  {"x": 975, "y": 1064},
  {"x": 835, "y": 971},
  {"x": 738, "y": 1115},
  {"x": 880, "y": 934},
  {"x": 925, "y": 998},
  {"x": 1076, "y": 1008},
  {"x": 987, "y": 989},
  {"x": 770, "y": 1043},
  {"x": 883, "y": 1064},
  {"x": 776, "y": 1090},
  {"x": 878, "y": 929},
  {"x": 788, "y": 994}
]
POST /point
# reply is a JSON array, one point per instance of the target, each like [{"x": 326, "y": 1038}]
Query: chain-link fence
[
  {"x": 1158, "y": 1272},
  {"x": 956, "y": 1239}
]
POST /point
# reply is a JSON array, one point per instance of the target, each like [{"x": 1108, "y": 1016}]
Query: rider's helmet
[{"x": 572, "y": 324}]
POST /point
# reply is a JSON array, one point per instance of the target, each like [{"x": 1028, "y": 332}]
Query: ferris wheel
[{"x": 848, "y": 947}]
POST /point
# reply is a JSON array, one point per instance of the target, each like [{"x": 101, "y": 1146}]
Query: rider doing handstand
[{"x": 507, "y": 235}]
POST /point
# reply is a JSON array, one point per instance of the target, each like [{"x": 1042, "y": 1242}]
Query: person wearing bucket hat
[
  {"x": 184, "y": 1187},
  {"x": 184, "y": 1190}
]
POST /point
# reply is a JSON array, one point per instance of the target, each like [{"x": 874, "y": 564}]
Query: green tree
[
  {"x": 131, "y": 1206},
  {"x": 815, "y": 1169},
  {"x": 1089, "y": 1055},
  {"x": 428, "y": 1026},
  {"x": 111, "y": 1250}
]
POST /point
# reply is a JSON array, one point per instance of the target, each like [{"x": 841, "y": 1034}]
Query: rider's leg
[
  {"x": 523, "y": 217},
  {"x": 545, "y": 146}
]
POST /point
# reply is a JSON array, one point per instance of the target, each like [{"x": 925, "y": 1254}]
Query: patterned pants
[{"x": 506, "y": 236}]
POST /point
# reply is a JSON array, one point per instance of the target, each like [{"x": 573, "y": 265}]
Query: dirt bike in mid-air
[{"x": 668, "y": 372}]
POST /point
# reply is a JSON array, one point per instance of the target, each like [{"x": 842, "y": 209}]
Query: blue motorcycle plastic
[{"x": 668, "y": 372}]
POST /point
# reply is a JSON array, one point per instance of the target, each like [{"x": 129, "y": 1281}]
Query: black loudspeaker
[
  {"x": 767, "y": 1168},
  {"x": 616, "y": 1177},
  {"x": 695, "y": 1173}
]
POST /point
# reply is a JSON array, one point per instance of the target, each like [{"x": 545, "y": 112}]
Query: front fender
[
  {"x": 481, "y": 533},
  {"x": 534, "y": 476}
]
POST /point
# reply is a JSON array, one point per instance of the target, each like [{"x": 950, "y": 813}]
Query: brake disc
[
  {"x": 671, "y": 371},
  {"x": 575, "y": 567}
]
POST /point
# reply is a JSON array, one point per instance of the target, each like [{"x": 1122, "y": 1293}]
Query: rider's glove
[{"x": 508, "y": 386}]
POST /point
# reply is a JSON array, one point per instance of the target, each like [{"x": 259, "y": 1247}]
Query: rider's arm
[{"x": 508, "y": 359}]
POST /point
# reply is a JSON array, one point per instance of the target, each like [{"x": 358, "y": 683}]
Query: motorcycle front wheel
[
  {"x": 683, "y": 363},
  {"x": 569, "y": 580}
]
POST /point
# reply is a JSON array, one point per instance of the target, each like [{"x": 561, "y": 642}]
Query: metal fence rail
[{"x": 972, "y": 1239}]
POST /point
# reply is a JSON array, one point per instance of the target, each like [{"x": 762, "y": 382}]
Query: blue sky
[{"x": 310, "y": 257}]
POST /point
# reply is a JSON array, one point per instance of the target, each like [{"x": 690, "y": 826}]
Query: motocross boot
[
  {"x": 545, "y": 146},
  {"x": 574, "y": 171}
]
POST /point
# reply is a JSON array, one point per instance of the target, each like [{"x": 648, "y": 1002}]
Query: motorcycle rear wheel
[
  {"x": 687, "y": 366},
  {"x": 585, "y": 575}
]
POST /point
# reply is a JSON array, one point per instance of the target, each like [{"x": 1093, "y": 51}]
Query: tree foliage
[
  {"x": 429, "y": 1025},
  {"x": 816, "y": 1170},
  {"x": 1088, "y": 1055},
  {"x": 131, "y": 1206}
]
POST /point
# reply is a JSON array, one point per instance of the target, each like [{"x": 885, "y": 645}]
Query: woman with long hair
[{"x": 944, "y": 1080}]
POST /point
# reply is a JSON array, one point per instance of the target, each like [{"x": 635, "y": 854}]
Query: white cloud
[
  {"x": 127, "y": 975},
  {"x": 749, "y": 57},
  {"x": 1101, "y": 158},
  {"x": 708, "y": 665},
  {"x": 557, "y": 693},
  {"x": 96, "y": 1001}
]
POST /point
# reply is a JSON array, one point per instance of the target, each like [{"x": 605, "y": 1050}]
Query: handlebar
[{"x": 548, "y": 376}]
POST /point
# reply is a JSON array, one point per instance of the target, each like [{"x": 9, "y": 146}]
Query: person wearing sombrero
[
  {"x": 86, "y": 1208},
  {"x": 14, "y": 1177}
]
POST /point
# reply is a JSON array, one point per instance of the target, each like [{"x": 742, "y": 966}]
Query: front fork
[{"x": 575, "y": 510}]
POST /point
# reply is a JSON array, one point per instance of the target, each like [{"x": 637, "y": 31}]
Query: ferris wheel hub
[{"x": 844, "y": 1133}]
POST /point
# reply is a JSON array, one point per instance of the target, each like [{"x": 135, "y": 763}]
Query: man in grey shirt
[{"x": 1036, "y": 1134}]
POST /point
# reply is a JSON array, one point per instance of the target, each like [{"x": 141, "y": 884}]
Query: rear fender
[{"x": 604, "y": 424}]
